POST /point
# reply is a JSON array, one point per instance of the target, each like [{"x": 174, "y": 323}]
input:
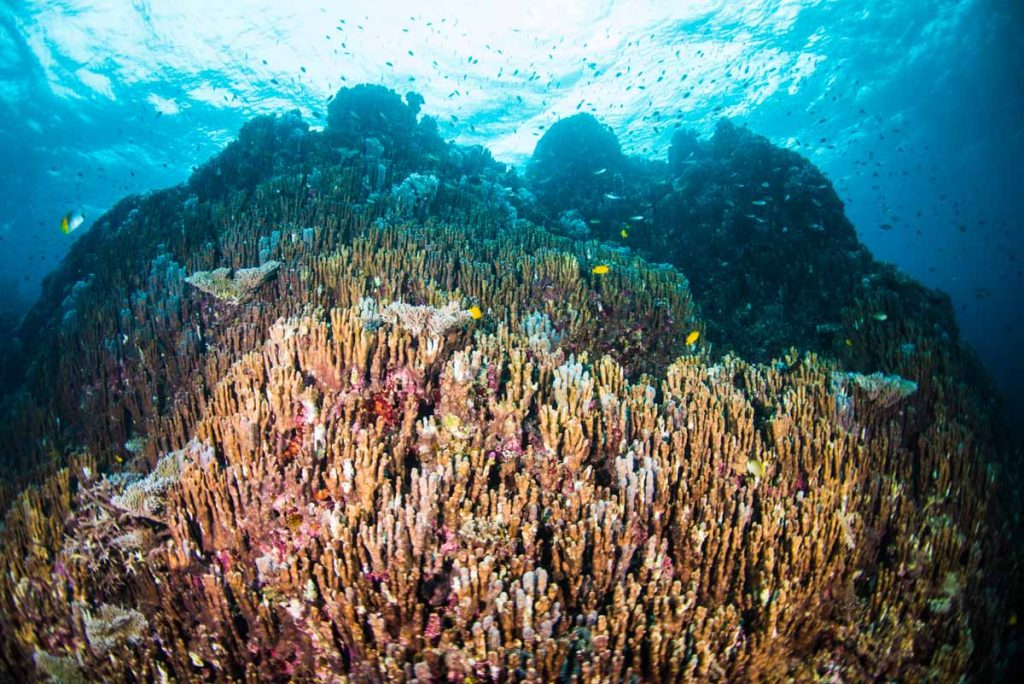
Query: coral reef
[
  {"x": 113, "y": 627},
  {"x": 576, "y": 161},
  {"x": 233, "y": 286},
  {"x": 883, "y": 389},
  {"x": 412, "y": 197},
  {"x": 439, "y": 446},
  {"x": 429, "y": 320},
  {"x": 771, "y": 258},
  {"x": 368, "y": 116},
  {"x": 265, "y": 146}
]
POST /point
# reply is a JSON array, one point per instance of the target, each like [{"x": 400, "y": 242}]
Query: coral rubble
[{"x": 438, "y": 447}]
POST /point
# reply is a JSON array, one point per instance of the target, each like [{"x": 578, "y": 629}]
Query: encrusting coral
[{"x": 448, "y": 450}]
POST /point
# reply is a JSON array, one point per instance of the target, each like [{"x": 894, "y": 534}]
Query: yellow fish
[
  {"x": 692, "y": 338},
  {"x": 451, "y": 422},
  {"x": 71, "y": 221},
  {"x": 476, "y": 313},
  {"x": 624, "y": 233},
  {"x": 601, "y": 269},
  {"x": 756, "y": 468}
]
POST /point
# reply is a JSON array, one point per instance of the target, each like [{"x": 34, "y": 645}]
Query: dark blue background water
[{"x": 914, "y": 110}]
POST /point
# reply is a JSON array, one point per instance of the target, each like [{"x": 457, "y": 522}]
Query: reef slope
[{"x": 411, "y": 433}]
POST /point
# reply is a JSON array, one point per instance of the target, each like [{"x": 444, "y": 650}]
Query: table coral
[{"x": 233, "y": 286}]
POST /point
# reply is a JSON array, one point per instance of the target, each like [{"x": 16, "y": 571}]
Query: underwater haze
[{"x": 914, "y": 111}]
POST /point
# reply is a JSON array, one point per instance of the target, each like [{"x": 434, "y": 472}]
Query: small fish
[
  {"x": 599, "y": 172},
  {"x": 880, "y": 316},
  {"x": 611, "y": 196},
  {"x": 759, "y": 203},
  {"x": 601, "y": 269},
  {"x": 692, "y": 338},
  {"x": 451, "y": 422},
  {"x": 849, "y": 342},
  {"x": 594, "y": 222},
  {"x": 624, "y": 233},
  {"x": 638, "y": 217},
  {"x": 476, "y": 313},
  {"x": 71, "y": 221},
  {"x": 756, "y": 468}
]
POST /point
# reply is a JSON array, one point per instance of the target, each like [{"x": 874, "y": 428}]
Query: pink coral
[{"x": 433, "y": 630}]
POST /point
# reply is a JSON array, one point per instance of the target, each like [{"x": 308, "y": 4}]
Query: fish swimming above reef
[
  {"x": 446, "y": 336},
  {"x": 71, "y": 221},
  {"x": 611, "y": 196}
]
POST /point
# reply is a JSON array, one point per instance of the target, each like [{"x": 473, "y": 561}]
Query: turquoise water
[{"x": 914, "y": 112}]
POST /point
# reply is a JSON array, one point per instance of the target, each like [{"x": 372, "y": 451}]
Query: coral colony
[{"x": 360, "y": 406}]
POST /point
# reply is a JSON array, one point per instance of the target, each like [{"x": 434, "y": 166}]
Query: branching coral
[
  {"x": 545, "y": 511},
  {"x": 412, "y": 197},
  {"x": 341, "y": 489}
]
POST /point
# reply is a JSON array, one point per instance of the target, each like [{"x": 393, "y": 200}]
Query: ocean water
[
  {"x": 544, "y": 341},
  {"x": 914, "y": 113}
]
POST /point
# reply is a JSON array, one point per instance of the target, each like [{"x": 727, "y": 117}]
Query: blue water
[{"x": 914, "y": 110}]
